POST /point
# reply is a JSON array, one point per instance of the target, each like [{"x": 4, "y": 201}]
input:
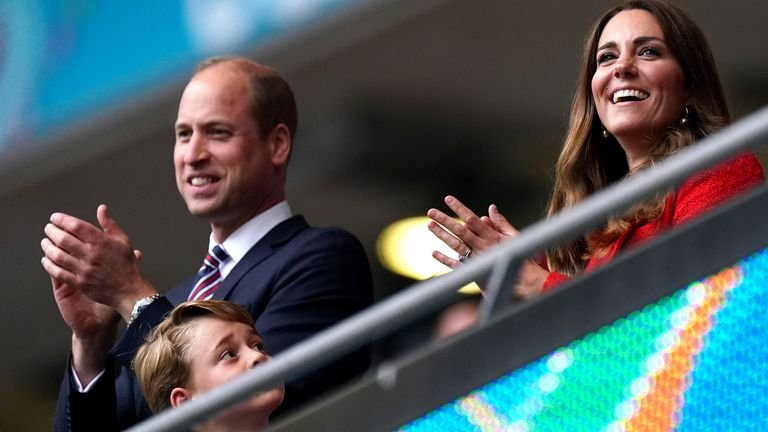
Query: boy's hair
[{"x": 162, "y": 362}]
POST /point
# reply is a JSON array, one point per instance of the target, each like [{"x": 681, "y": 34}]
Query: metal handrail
[{"x": 422, "y": 298}]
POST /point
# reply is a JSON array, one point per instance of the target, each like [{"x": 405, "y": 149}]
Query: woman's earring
[
  {"x": 605, "y": 133},
  {"x": 684, "y": 120}
]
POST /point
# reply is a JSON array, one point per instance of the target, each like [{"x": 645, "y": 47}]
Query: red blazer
[{"x": 696, "y": 196}]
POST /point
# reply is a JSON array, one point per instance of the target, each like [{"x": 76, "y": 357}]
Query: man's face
[{"x": 225, "y": 172}]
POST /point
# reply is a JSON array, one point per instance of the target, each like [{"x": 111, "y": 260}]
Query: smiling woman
[
  {"x": 648, "y": 87},
  {"x": 639, "y": 86}
]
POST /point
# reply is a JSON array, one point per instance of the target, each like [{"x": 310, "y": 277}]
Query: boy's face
[{"x": 220, "y": 351}]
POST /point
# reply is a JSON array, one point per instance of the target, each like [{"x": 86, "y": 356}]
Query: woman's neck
[{"x": 637, "y": 152}]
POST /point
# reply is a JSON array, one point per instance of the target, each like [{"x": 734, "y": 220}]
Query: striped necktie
[{"x": 209, "y": 277}]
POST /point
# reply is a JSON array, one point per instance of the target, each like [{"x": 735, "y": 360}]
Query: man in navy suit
[{"x": 234, "y": 136}]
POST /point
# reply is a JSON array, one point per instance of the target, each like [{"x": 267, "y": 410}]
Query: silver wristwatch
[{"x": 140, "y": 305}]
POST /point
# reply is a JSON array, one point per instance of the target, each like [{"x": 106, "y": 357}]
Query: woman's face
[{"x": 639, "y": 87}]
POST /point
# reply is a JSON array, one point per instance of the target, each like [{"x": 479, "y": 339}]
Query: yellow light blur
[{"x": 405, "y": 247}]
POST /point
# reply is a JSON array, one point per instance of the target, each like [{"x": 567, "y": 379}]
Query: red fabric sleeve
[
  {"x": 716, "y": 185},
  {"x": 697, "y": 195},
  {"x": 554, "y": 279}
]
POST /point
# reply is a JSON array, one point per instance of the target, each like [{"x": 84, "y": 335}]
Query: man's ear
[
  {"x": 282, "y": 144},
  {"x": 179, "y": 395}
]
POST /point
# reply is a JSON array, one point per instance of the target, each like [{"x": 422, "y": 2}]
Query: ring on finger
[{"x": 465, "y": 257}]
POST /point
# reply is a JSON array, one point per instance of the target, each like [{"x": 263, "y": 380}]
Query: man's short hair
[
  {"x": 271, "y": 96},
  {"x": 163, "y": 362}
]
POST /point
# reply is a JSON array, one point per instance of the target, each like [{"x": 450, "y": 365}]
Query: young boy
[{"x": 200, "y": 345}]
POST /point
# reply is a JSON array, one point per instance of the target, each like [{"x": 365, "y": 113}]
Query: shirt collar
[{"x": 243, "y": 239}]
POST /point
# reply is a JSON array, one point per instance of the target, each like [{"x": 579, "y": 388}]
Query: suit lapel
[
  {"x": 181, "y": 292},
  {"x": 265, "y": 247}
]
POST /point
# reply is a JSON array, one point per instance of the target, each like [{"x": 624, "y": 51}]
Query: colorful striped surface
[{"x": 694, "y": 361}]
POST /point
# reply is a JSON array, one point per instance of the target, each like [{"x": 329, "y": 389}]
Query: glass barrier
[{"x": 696, "y": 360}]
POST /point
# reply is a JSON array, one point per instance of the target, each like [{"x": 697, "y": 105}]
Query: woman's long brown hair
[{"x": 589, "y": 162}]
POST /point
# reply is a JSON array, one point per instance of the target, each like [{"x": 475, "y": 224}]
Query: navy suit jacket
[{"x": 295, "y": 282}]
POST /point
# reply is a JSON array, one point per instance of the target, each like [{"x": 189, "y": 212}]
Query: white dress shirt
[{"x": 243, "y": 239}]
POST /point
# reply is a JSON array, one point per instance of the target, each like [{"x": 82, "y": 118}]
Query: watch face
[
  {"x": 141, "y": 305},
  {"x": 147, "y": 301}
]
